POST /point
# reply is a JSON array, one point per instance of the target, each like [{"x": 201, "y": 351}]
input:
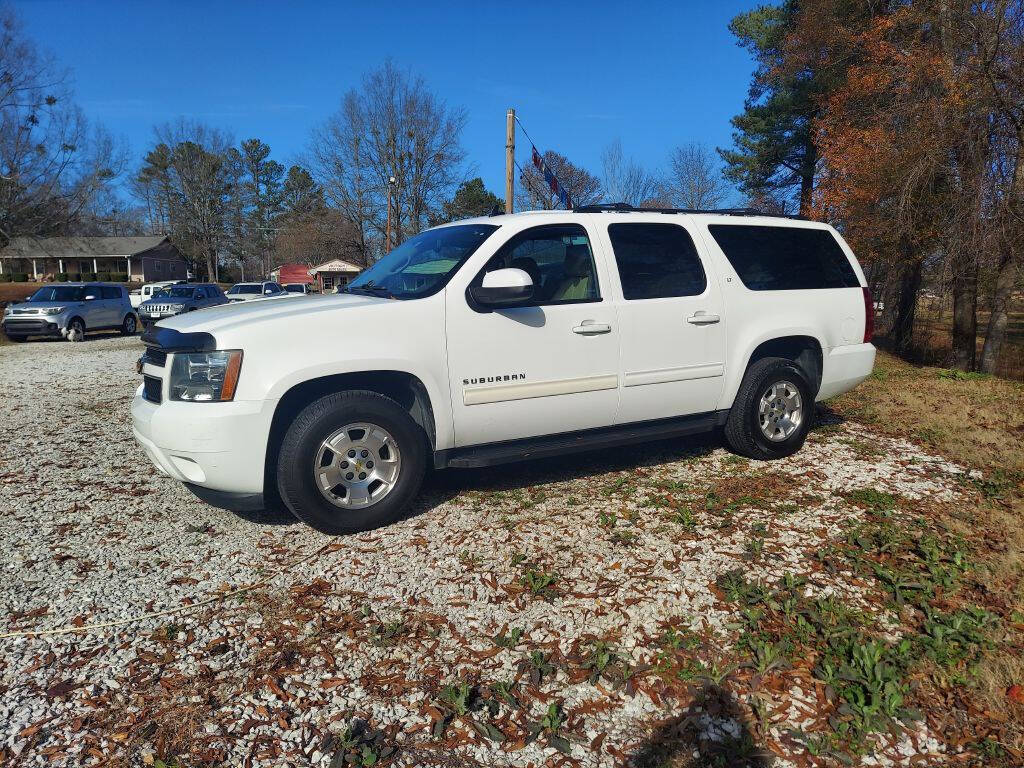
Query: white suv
[
  {"x": 251, "y": 291},
  {"x": 507, "y": 338}
]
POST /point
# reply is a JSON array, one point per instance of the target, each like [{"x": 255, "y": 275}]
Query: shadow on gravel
[
  {"x": 713, "y": 732},
  {"x": 825, "y": 418},
  {"x": 446, "y": 484}
]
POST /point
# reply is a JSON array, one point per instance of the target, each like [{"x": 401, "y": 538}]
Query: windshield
[
  {"x": 244, "y": 289},
  {"x": 295, "y": 288},
  {"x": 423, "y": 264},
  {"x": 58, "y": 293},
  {"x": 179, "y": 291}
]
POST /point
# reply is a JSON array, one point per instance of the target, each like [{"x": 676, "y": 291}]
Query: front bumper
[
  {"x": 32, "y": 326},
  {"x": 148, "y": 319},
  {"x": 220, "y": 447}
]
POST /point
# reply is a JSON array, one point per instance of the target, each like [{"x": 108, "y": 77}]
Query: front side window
[
  {"x": 423, "y": 264},
  {"x": 656, "y": 261},
  {"x": 558, "y": 259},
  {"x": 235, "y": 290},
  {"x": 784, "y": 258},
  {"x": 183, "y": 291}
]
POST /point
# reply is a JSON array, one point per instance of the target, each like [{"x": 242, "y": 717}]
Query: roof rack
[{"x": 627, "y": 208}]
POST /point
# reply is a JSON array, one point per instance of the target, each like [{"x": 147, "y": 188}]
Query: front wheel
[
  {"x": 128, "y": 326},
  {"x": 351, "y": 461},
  {"x": 76, "y": 329},
  {"x": 772, "y": 412}
]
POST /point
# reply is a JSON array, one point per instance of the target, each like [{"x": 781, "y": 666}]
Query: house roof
[
  {"x": 335, "y": 265},
  {"x": 76, "y": 247}
]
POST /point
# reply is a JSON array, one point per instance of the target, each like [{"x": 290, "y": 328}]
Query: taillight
[{"x": 869, "y": 316}]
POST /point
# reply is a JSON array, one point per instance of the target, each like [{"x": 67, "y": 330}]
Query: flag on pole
[{"x": 549, "y": 178}]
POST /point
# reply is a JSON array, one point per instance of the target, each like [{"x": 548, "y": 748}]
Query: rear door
[
  {"x": 672, "y": 360},
  {"x": 111, "y": 305}
]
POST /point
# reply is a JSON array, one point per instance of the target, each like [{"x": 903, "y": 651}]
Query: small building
[
  {"x": 287, "y": 274},
  {"x": 142, "y": 259},
  {"x": 335, "y": 273}
]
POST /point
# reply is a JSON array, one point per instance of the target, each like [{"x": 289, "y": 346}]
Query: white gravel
[{"x": 92, "y": 534}]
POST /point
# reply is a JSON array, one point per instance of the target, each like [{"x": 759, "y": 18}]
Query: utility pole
[
  {"x": 387, "y": 240},
  {"x": 510, "y": 158}
]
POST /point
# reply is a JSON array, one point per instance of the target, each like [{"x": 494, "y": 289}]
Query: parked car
[
  {"x": 145, "y": 293},
  {"x": 70, "y": 310},
  {"x": 250, "y": 291},
  {"x": 182, "y": 297},
  {"x": 508, "y": 338}
]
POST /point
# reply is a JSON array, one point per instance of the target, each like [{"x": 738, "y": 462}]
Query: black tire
[
  {"x": 318, "y": 421},
  {"x": 129, "y": 325},
  {"x": 743, "y": 431},
  {"x": 76, "y": 329}
]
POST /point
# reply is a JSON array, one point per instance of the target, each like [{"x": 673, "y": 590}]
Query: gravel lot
[{"x": 617, "y": 548}]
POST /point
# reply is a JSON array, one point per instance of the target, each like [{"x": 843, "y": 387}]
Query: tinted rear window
[
  {"x": 784, "y": 258},
  {"x": 656, "y": 261}
]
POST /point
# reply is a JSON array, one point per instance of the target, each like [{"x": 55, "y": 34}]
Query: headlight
[
  {"x": 176, "y": 307},
  {"x": 53, "y": 310},
  {"x": 205, "y": 376}
]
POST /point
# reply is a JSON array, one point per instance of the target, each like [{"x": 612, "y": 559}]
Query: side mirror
[
  {"x": 503, "y": 289},
  {"x": 267, "y": 292},
  {"x": 90, "y": 297}
]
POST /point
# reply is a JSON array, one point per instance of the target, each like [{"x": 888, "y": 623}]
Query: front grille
[
  {"x": 151, "y": 389},
  {"x": 28, "y": 325},
  {"x": 23, "y": 311},
  {"x": 154, "y": 356}
]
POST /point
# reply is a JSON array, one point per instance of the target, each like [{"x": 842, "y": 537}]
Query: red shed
[{"x": 292, "y": 273}]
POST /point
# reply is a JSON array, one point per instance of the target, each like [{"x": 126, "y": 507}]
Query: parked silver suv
[{"x": 70, "y": 310}]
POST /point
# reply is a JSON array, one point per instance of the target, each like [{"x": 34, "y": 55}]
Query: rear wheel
[
  {"x": 351, "y": 461},
  {"x": 772, "y": 411},
  {"x": 129, "y": 325}
]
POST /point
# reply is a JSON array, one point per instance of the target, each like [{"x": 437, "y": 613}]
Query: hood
[{"x": 225, "y": 317}]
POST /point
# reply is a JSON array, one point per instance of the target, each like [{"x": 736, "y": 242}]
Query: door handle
[
  {"x": 702, "y": 318},
  {"x": 590, "y": 328}
]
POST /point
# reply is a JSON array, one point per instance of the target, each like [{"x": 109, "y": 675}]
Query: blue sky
[{"x": 580, "y": 75}]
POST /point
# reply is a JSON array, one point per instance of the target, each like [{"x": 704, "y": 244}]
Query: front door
[
  {"x": 673, "y": 328},
  {"x": 542, "y": 369}
]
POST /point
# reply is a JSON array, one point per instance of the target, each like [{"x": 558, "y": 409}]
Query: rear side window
[
  {"x": 110, "y": 292},
  {"x": 656, "y": 261},
  {"x": 784, "y": 258}
]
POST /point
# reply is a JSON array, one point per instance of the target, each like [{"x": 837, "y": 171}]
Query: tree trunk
[
  {"x": 906, "y": 300},
  {"x": 995, "y": 334},
  {"x": 965, "y": 316},
  {"x": 807, "y": 178}
]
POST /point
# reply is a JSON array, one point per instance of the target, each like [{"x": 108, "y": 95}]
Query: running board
[{"x": 490, "y": 454}]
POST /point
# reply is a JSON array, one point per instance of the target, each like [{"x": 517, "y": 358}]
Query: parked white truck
[{"x": 502, "y": 339}]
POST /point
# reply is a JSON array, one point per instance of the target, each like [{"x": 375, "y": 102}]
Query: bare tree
[
  {"x": 318, "y": 236},
  {"x": 52, "y": 163},
  {"x": 695, "y": 178},
  {"x": 625, "y": 180},
  {"x": 582, "y": 186},
  {"x": 393, "y": 127}
]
